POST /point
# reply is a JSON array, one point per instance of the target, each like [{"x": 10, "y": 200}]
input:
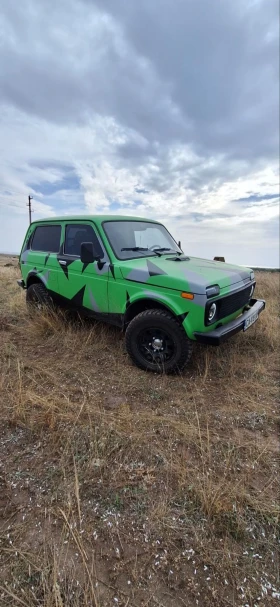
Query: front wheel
[{"x": 155, "y": 341}]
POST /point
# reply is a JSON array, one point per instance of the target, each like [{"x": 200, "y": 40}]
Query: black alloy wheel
[{"x": 157, "y": 342}]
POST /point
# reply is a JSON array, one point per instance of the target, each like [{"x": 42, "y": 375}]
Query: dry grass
[{"x": 124, "y": 488}]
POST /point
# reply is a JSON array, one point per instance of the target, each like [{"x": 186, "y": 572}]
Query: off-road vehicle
[{"x": 130, "y": 272}]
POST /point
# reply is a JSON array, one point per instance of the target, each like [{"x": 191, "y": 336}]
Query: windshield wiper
[
  {"x": 156, "y": 251},
  {"x": 162, "y": 249}
]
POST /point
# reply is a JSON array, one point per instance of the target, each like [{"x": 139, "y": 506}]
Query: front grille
[{"x": 230, "y": 304}]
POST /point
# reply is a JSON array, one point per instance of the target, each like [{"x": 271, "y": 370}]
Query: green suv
[{"x": 130, "y": 272}]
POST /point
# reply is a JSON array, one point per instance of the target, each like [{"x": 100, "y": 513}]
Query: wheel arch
[
  {"x": 147, "y": 303},
  {"x": 32, "y": 279}
]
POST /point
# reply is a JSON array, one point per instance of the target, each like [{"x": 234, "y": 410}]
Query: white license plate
[{"x": 250, "y": 321}]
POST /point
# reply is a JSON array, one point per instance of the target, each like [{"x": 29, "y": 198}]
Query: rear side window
[
  {"x": 78, "y": 233},
  {"x": 46, "y": 239}
]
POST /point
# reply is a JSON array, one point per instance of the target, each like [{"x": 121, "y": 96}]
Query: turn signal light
[{"x": 187, "y": 295}]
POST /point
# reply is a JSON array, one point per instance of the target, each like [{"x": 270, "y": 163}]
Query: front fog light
[{"x": 211, "y": 312}]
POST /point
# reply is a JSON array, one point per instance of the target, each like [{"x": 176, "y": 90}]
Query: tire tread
[{"x": 37, "y": 293}]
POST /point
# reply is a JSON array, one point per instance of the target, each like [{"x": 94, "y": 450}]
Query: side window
[
  {"x": 46, "y": 239},
  {"x": 75, "y": 235}
]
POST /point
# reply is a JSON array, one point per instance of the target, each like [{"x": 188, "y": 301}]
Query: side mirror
[
  {"x": 179, "y": 244},
  {"x": 88, "y": 253}
]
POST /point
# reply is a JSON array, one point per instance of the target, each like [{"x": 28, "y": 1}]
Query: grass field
[{"x": 120, "y": 488}]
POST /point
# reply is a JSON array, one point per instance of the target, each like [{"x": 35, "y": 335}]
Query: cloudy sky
[{"x": 160, "y": 108}]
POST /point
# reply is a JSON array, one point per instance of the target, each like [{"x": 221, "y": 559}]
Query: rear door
[
  {"x": 39, "y": 256},
  {"x": 83, "y": 286}
]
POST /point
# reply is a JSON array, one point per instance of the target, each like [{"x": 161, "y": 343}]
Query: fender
[
  {"x": 34, "y": 276},
  {"x": 149, "y": 299}
]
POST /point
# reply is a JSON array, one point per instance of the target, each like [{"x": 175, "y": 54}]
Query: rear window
[{"x": 46, "y": 239}]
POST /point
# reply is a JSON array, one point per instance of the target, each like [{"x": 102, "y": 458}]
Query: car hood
[{"x": 190, "y": 274}]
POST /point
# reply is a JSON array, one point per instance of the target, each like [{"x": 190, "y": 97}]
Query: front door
[{"x": 83, "y": 286}]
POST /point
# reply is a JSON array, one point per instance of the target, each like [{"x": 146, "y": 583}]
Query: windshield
[{"x": 133, "y": 239}]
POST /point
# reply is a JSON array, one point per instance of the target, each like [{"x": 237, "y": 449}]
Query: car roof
[{"x": 96, "y": 218}]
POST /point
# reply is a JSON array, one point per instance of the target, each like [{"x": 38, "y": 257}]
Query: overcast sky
[{"x": 160, "y": 108}]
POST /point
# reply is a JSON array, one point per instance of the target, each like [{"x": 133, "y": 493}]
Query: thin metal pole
[{"x": 29, "y": 208}]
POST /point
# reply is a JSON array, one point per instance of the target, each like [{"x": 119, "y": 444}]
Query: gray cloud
[
  {"x": 203, "y": 73},
  {"x": 167, "y": 105},
  {"x": 78, "y": 65},
  {"x": 220, "y": 62}
]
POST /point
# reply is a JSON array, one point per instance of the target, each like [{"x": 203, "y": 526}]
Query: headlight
[
  {"x": 211, "y": 312},
  {"x": 252, "y": 275}
]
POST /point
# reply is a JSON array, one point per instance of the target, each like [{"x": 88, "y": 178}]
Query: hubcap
[{"x": 156, "y": 346}]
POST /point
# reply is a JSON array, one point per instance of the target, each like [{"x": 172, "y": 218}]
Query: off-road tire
[
  {"x": 37, "y": 297},
  {"x": 162, "y": 321}
]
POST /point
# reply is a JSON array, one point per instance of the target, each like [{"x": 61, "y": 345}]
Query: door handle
[{"x": 62, "y": 262}]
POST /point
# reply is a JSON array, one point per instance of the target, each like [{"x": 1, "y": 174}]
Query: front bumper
[{"x": 223, "y": 332}]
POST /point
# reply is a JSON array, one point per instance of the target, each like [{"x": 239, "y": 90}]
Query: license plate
[{"x": 250, "y": 321}]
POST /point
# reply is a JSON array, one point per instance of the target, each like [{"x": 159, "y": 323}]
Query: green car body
[{"x": 115, "y": 283}]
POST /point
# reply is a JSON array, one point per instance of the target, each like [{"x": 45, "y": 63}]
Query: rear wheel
[
  {"x": 38, "y": 297},
  {"x": 156, "y": 342}
]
